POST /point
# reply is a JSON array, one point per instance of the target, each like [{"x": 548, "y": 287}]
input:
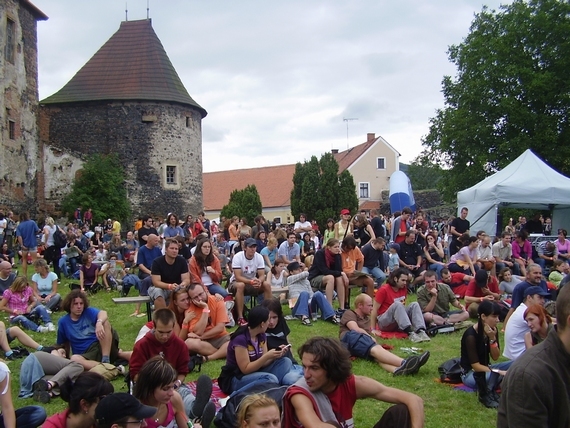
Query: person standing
[
  {"x": 26, "y": 233},
  {"x": 458, "y": 226}
]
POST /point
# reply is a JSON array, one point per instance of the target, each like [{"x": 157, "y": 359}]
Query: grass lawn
[{"x": 444, "y": 407}]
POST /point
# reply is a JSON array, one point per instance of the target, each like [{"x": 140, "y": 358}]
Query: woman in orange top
[
  {"x": 352, "y": 262},
  {"x": 205, "y": 268}
]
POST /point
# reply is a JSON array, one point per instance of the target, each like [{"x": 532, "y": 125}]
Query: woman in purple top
[
  {"x": 249, "y": 357},
  {"x": 522, "y": 250},
  {"x": 464, "y": 260},
  {"x": 88, "y": 274},
  {"x": 563, "y": 245}
]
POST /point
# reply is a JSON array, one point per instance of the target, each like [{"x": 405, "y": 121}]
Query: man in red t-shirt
[
  {"x": 482, "y": 287},
  {"x": 457, "y": 281},
  {"x": 391, "y": 312},
  {"x": 327, "y": 370}
]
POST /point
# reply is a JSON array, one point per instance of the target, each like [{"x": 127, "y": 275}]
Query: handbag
[{"x": 450, "y": 371}]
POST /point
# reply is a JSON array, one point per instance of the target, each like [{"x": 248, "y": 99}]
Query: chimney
[
  {"x": 334, "y": 151},
  {"x": 371, "y": 136}
]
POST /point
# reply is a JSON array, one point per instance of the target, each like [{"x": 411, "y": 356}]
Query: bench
[{"x": 137, "y": 299}]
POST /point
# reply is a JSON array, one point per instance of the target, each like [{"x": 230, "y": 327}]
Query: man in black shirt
[
  {"x": 169, "y": 273},
  {"x": 377, "y": 224},
  {"x": 411, "y": 256},
  {"x": 146, "y": 230},
  {"x": 458, "y": 227}
]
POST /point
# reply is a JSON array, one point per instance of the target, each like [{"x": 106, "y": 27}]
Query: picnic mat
[
  {"x": 217, "y": 394},
  {"x": 393, "y": 335},
  {"x": 456, "y": 386}
]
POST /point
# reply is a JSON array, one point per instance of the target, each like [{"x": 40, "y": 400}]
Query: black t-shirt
[
  {"x": 474, "y": 349},
  {"x": 145, "y": 231},
  {"x": 461, "y": 226},
  {"x": 277, "y": 336},
  {"x": 377, "y": 226},
  {"x": 409, "y": 253},
  {"x": 170, "y": 274}
]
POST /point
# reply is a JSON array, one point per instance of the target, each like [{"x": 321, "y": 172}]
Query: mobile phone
[{"x": 287, "y": 346}]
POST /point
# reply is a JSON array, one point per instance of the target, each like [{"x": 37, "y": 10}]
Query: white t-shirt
[
  {"x": 3, "y": 224},
  {"x": 514, "y": 334},
  {"x": 299, "y": 225},
  {"x": 45, "y": 285},
  {"x": 4, "y": 373},
  {"x": 248, "y": 267}
]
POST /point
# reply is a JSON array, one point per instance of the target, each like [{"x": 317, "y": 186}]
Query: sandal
[{"x": 306, "y": 321}]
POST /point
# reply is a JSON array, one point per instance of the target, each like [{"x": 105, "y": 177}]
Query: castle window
[
  {"x": 380, "y": 163},
  {"x": 10, "y": 40},
  {"x": 170, "y": 174},
  {"x": 11, "y": 129},
  {"x": 187, "y": 121}
]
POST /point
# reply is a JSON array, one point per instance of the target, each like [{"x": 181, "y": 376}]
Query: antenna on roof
[
  {"x": 147, "y": 9},
  {"x": 348, "y": 119},
  {"x": 126, "y": 12}
]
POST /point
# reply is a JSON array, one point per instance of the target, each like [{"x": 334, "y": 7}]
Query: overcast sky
[{"x": 278, "y": 77}]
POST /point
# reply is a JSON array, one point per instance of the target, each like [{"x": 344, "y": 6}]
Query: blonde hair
[
  {"x": 40, "y": 263},
  {"x": 19, "y": 284},
  {"x": 251, "y": 403},
  {"x": 49, "y": 221}
]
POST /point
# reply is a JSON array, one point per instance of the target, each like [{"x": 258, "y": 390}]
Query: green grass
[{"x": 444, "y": 407}]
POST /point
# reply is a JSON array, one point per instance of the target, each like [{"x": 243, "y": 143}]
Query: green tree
[
  {"x": 511, "y": 92},
  {"x": 243, "y": 203},
  {"x": 424, "y": 175},
  {"x": 101, "y": 187},
  {"x": 320, "y": 191}
]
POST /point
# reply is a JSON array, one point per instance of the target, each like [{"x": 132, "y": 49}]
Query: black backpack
[
  {"x": 59, "y": 238},
  {"x": 450, "y": 371}
]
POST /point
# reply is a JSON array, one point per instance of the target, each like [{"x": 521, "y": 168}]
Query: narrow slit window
[{"x": 170, "y": 174}]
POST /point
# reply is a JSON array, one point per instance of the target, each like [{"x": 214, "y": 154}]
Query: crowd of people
[{"x": 199, "y": 275}]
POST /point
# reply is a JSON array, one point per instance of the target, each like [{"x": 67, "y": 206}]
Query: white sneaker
[
  {"x": 50, "y": 326},
  {"x": 42, "y": 329},
  {"x": 423, "y": 335},
  {"x": 415, "y": 337}
]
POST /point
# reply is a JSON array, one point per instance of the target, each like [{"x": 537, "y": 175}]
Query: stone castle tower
[{"x": 127, "y": 99}]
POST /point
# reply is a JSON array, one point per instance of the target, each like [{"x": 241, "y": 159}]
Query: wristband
[
  {"x": 185, "y": 326},
  {"x": 206, "y": 311},
  {"x": 251, "y": 282},
  {"x": 494, "y": 345},
  {"x": 170, "y": 286},
  {"x": 99, "y": 320},
  {"x": 480, "y": 299}
]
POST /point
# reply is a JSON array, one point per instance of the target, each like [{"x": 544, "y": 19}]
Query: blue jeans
[
  {"x": 63, "y": 265},
  {"x": 319, "y": 301},
  {"x": 469, "y": 380},
  {"x": 294, "y": 375},
  {"x": 217, "y": 289},
  {"x": 437, "y": 268},
  {"x": 28, "y": 324},
  {"x": 274, "y": 373},
  {"x": 516, "y": 270},
  {"x": 377, "y": 273},
  {"x": 28, "y": 417}
]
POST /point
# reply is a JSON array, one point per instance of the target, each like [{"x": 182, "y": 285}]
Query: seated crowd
[{"x": 199, "y": 277}]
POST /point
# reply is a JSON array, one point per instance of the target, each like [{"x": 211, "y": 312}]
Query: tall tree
[
  {"x": 101, "y": 187},
  {"x": 511, "y": 92},
  {"x": 424, "y": 175},
  {"x": 320, "y": 192},
  {"x": 243, "y": 203}
]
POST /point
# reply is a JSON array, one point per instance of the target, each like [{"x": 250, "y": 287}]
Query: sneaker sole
[
  {"x": 42, "y": 397},
  {"x": 412, "y": 366},
  {"x": 423, "y": 359},
  {"x": 208, "y": 415},
  {"x": 203, "y": 393}
]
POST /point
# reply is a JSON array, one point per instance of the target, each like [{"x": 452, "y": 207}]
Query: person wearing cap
[
  {"x": 248, "y": 277},
  {"x": 533, "y": 278},
  {"x": 122, "y": 410},
  {"x": 482, "y": 287},
  {"x": 289, "y": 250},
  {"x": 169, "y": 272},
  {"x": 344, "y": 226},
  {"x": 393, "y": 257},
  {"x": 308, "y": 302},
  {"x": 536, "y": 392},
  {"x": 517, "y": 326}
]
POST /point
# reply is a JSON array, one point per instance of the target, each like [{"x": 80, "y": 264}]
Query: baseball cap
[
  {"x": 344, "y": 211},
  {"x": 293, "y": 266},
  {"x": 481, "y": 277},
  {"x": 117, "y": 406},
  {"x": 531, "y": 291},
  {"x": 250, "y": 242},
  {"x": 394, "y": 246}
]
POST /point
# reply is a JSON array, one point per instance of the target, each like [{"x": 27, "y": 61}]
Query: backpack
[
  {"x": 227, "y": 416},
  {"x": 59, "y": 238},
  {"x": 450, "y": 371}
]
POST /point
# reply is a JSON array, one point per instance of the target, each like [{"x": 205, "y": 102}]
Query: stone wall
[
  {"x": 147, "y": 136},
  {"x": 19, "y": 105}
]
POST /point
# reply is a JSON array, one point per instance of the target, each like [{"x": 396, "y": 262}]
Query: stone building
[
  {"x": 127, "y": 99},
  {"x": 18, "y": 103}
]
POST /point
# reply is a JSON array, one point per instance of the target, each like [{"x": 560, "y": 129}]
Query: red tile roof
[
  {"x": 348, "y": 157},
  {"x": 369, "y": 205},
  {"x": 274, "y": 185},
  {"x": 131, "y": 65}
]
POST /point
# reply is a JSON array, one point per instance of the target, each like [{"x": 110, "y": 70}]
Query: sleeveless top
[
  {"x": 169, "y": 421},
  {"x": 277, "y": 282}
]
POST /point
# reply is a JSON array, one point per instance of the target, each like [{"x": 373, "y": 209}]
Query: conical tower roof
[{"x": 132, "y": 65}]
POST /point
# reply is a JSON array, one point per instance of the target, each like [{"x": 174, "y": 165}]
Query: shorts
[
  {"x": 93, "y": 353},
  {"x": 155, "y": 292},
  {"x": 219, "y": 341},
  {"x": 31, "y": 249},
  {"x": 448, "y": 314},
  {"x": 249, "y": 290},
  {"x": 358, "y": 344},
  {"x": 317, "y": 282},
  {"x": 10, "y": 338}
]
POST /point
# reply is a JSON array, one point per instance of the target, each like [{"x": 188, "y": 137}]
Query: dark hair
[
  {"x": 349, "y": 243},
  {"x": 88, "y": 386},
  {"x": 169, "y": 217},
  {"x": 504, "y": 234},
  {"x": 563, "y": 232},
  {"x": 173, "y": 297},
  {"x": 331, "y": 355},
  {"x": 430, "y": 273},
  {"x": 74, "y": 294},
  {"x": 202, "y": 260},
  {"x": 396, "y": 274},
  {"x": 329, "y": 221},
  {"x": 487, "y": 308},
  {"x": 502, "y": 273},
  {"x": 278, "y": 261},
  {"x": 306, "y": 235},
  {"x": 410, "y": 232},
  {"x": 406, "y": 210},
  {"x": 169, "y": 242},
  {"x": 164, "y": 315},
  {"x": 146, "y": 218},
  {"x": 256, "y": 316},
  {"x": 472, "y": 239},
  {"x": 260, "y": 232},
  {"x": 521, "y": 234},
  {"x": 155, "y": 373},
  {"x": 273, "y": 305}
]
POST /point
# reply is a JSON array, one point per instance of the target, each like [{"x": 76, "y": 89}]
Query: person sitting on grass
[
  {"x": 355, "y": 335},
  {"x": 7, "y": 335},
  {"x": 44, "y": 284},
  {"x": 258, "y": 410},
  {"x": 89, "y": 274},
  {"x": 559, "y": 271},
  {"x": 478, "y": 343},
  {"x": 435, "y": 298},
  {"x": 87, "y": 332},
  {"x": 307, "y": 301},
  {"x": 18, "y": 301},
  {"x": 540, "y": 324},
  {"x": 121, "y": 410},
  {"x": 326, "y": 394},
  {"x": 391, "y": 313},
  {"x": 508, "y": 281}
]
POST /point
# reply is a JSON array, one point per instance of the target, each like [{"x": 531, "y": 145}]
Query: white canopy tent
[{"x": 527, "y": 182}]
